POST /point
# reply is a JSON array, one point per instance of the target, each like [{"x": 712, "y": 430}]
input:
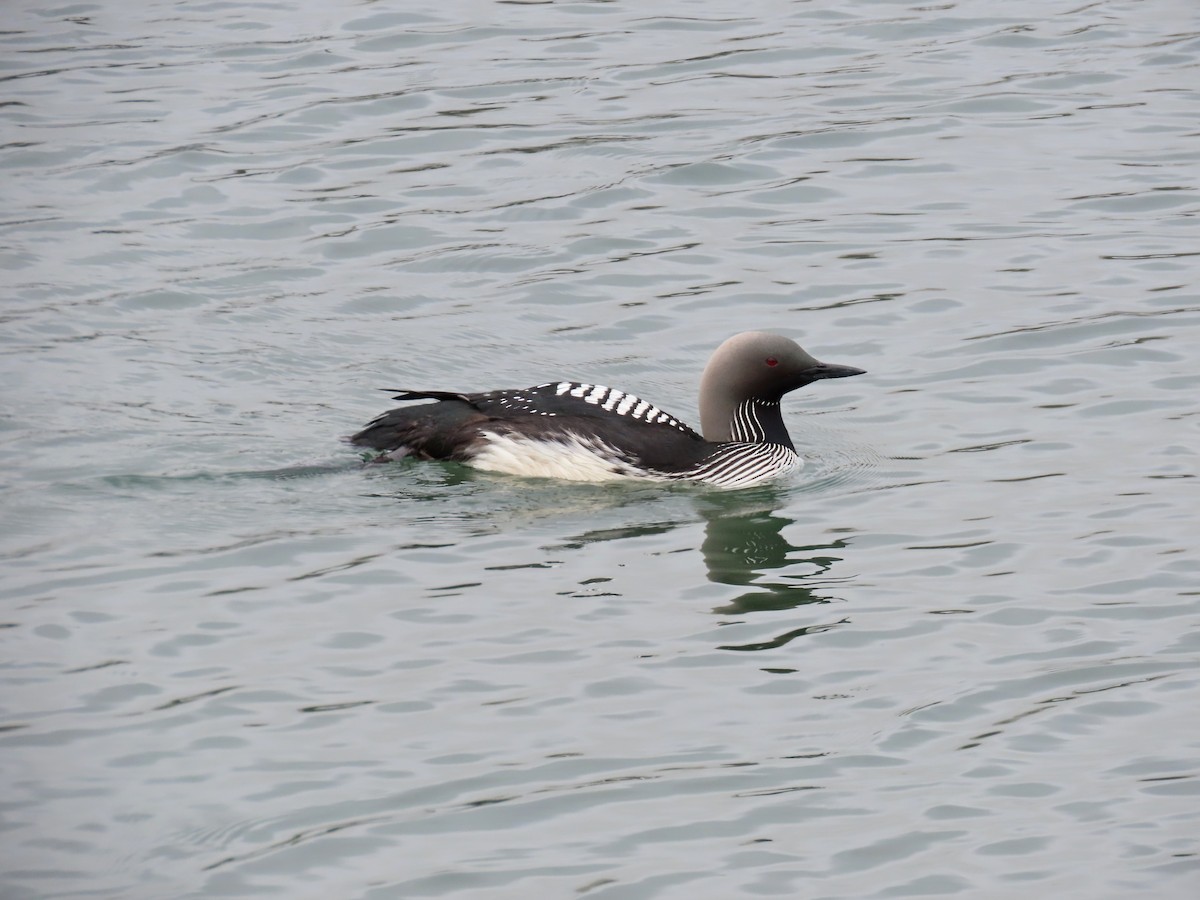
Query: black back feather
[{"x": 639, "y": 434}]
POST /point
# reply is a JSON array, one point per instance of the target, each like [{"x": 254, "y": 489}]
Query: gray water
[{"x": 956, "y": 655}]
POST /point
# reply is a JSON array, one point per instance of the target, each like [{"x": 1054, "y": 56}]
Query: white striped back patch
[{"x": 616, "y": 402}]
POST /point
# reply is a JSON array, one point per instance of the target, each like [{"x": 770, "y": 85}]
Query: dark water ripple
[{"x": 956, "y": 655}]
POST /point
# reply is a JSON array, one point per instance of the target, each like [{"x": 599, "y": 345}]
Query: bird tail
[
  {"x": 429, "y": 431},
  {"x": 406, "y": 394}
]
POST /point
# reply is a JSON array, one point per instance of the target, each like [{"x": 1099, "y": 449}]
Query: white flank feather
[
  {"x": 570, "y": 457},
  {"x": 574, "y": 458}
]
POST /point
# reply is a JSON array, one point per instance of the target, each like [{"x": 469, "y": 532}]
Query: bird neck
[{"x": 753, "y": 421}]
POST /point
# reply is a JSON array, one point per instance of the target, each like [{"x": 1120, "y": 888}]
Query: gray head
[{"x": 757, "y": 366}]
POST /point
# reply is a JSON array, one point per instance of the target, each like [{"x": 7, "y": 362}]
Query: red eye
[{"x": 772, "y": 361}]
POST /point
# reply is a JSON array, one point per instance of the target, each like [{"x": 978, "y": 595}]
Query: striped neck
[{"x": 759, "y": 422}]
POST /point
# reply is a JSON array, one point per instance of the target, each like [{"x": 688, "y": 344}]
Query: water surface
[{"x": 956, "y": 655}]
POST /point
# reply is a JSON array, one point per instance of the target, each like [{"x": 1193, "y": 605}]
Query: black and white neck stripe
[{"x": 747, "y": 425}]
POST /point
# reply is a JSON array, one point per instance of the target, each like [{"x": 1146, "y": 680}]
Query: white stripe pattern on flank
[
  {"x": 740, "y": 464},
  {"x": 580, "y": 458}
]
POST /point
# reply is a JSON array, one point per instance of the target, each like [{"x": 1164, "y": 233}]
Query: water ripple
[{"x": 952, "y": 655}]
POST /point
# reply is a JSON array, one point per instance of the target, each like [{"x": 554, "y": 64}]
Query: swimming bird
[{"x": 588, "y": 432}]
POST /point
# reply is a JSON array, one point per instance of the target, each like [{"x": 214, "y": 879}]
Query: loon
[{"x": 588, "y": 432}]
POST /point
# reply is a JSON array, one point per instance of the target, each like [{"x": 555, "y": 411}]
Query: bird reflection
[{"x": 744, "y": 542}]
